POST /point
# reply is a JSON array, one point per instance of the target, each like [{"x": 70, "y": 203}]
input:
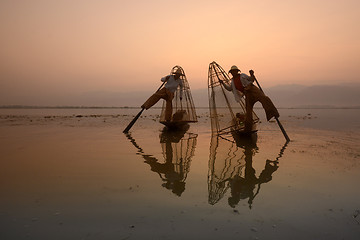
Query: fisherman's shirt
[
  {"x": 172, "y": 83},
  {"x": 245, "y": 80}
]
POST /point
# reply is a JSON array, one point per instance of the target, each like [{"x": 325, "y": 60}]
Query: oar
[
  {"x": 138, "y": 115},
  {"x": 277, "y": 120}
]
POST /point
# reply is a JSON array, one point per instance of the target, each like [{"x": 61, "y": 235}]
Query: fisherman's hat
[
  {"x": 178, "y": 71},
  {"x": 234, "y": 68}
]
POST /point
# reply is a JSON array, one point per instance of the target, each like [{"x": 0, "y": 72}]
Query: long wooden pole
[
  {"x": 126, "y": 130},
  {"x": 277, "y": 119}
]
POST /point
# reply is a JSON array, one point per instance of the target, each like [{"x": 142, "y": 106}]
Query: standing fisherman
[
  {"x": 242, "y": 84},
  {"x": 166, "y": 93}
]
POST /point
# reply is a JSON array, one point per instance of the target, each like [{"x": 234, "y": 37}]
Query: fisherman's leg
[
  {"x": 168, "y": 110},
  {"x": 153, "y": 99},
  {"x": 249, "y": 104},
  {"x": 268, "y": 106},
  {"x": 168, "y": 107},
  {"x": 265, "y": 101}
]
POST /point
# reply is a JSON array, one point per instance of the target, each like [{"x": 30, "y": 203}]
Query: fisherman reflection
[
  {"x": 172, "y": 171},
  {"x": 177, "y": 149},
  {"x": 244, "y": 187},
  {"x": 241, "y": 178}
]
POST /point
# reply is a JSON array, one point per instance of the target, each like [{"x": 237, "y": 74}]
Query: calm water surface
[{"x": 82, "y": 178}]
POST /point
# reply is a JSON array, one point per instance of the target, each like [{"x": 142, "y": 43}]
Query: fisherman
[
  {"x": 242, "y": 84},
  {"x": 167, "y": 93}
]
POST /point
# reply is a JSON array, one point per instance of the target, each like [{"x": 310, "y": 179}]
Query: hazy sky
[{"x": 59, "y": 46}]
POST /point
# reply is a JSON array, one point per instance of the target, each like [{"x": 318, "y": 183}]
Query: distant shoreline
[{"x": 127, "y": 107}]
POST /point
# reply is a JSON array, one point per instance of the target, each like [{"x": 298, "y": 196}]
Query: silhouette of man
[
  {"x": 242, "y": 84},
  {"x": 166, "y": 93}
]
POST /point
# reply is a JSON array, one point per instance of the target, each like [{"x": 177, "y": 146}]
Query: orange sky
[{"x": 51, "y": 46}]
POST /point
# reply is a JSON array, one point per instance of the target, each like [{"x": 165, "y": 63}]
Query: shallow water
[{"x": 75, "y": 175}]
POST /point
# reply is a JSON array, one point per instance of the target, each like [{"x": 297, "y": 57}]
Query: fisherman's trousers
[
  {"x": 252, "y": 95},
  {"x": 165, "y": 94}
]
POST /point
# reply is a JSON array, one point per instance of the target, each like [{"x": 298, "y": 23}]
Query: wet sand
[{"x": 73, "y": 174}]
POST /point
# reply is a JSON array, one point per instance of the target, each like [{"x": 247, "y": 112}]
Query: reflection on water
[
  {"x": 178, "y": 148},
  {"x": 230, "y": 167}
]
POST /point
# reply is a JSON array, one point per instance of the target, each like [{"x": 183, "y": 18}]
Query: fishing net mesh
[
  {"x": 225, "y": 162},
  {"x": 183, "y": 109},
  {"x": 226, "y": 113},
  {"x": 178, "y": 153}
]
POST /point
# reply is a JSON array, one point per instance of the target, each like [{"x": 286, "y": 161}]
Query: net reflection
[
  {"x": 178, "y": 148},
  {"x": 231, "y": 167}
]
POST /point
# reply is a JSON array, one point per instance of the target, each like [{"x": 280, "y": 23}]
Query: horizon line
[{"x": 130, "y": 107}]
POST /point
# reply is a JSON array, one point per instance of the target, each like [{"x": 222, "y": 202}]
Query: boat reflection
[
  {"x": 178, "y": 148},
  {"x": 231, "y": 167}
]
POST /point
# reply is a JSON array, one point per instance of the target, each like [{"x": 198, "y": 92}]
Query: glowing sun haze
[{"x": 54, "y": 47}]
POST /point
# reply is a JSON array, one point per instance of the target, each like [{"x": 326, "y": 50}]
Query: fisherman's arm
[
  {"x": 226, "y": 86},
  {"x": 165, "y": 79},
  {"x": 252, "y": 76}
]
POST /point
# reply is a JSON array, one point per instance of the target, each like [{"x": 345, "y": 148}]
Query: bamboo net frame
[
  {"x": 227, "y": 115},
  {"x": 181, "y": 107}
]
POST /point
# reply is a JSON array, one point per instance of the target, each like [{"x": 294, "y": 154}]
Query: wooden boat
[
  {"x": 183, "y": 109},
  {"x": 176, "y": 125},
  {"x": 227, "y": 115}
]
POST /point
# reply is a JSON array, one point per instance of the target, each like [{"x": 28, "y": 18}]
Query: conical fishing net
[
  {"x": 183, "y": 109},
  {"x": 227, "y": 114}
]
